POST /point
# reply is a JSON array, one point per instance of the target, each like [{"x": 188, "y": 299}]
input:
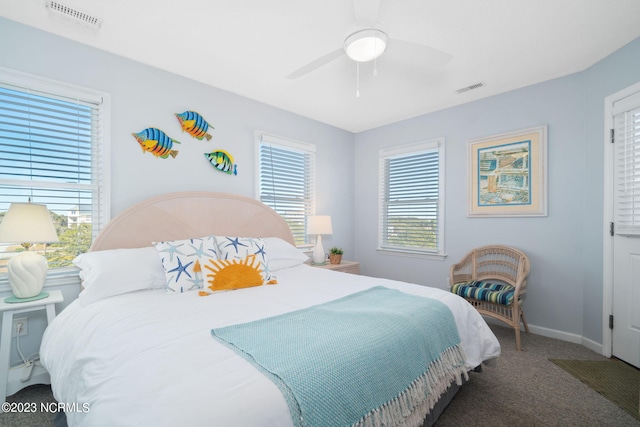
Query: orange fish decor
[
  {"x": 194, "y": 124},
  {"x": 156, "y": 142}
]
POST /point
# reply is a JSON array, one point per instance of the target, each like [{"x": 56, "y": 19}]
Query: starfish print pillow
[{"x": 183, "y": 262}]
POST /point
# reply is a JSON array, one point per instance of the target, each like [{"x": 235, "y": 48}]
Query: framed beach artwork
[{"x": 508, "y": 174}]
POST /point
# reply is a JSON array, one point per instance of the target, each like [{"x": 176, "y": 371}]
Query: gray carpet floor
[
  {"x": 523, "y": 389},
  {"x": 526, "y": 389}
]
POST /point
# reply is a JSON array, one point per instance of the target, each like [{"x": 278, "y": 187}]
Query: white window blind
[
  {"x": 286, "y": 180},
  {"x": 627, "y": 158},
  {"x": 411, "y": 198},
  {"x": 52, "y": 153}
]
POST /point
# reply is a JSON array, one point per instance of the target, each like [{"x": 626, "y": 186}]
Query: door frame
[{"x": 607, "y": 240}]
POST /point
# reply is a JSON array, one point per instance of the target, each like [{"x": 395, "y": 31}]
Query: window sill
[
  {"x": 55, "y": 278},
  {"x": 421, "y": 255}
]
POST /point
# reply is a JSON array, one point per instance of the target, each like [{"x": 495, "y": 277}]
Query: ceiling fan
[{"x": 369, "y": 42}]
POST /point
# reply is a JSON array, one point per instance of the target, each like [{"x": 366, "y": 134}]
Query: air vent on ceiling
[
  {"x": 74, "y": 14},
  {"x": 470, "y": 87}
]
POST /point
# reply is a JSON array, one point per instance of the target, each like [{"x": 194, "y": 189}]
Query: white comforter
[{"x": 148, "y": 359}]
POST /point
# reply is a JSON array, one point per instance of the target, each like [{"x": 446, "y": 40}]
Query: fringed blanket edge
[{"x": 411, "y": 406}]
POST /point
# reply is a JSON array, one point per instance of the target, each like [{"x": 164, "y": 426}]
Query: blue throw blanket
[{"x": 377, "y": 356}]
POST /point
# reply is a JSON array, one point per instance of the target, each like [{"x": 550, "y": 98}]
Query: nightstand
[
  {"x": 352, "y": 267},
  {"x": 10, "y": 378}
]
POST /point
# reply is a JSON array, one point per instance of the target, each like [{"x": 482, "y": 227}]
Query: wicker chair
[{"x": 494, "y": 279}]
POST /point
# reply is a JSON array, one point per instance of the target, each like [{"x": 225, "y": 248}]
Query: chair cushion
[{"x": 497, "y": 293}]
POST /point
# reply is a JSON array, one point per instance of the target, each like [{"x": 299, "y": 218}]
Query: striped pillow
[{"x": 497, "y": 293}]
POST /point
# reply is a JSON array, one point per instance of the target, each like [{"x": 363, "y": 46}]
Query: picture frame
[{"x": 507, "y": 174}]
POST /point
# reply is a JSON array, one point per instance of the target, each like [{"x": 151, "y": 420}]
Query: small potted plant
[{"x": 335, "y": 255}]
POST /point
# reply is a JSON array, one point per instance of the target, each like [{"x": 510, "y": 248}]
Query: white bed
[{"x": 148, "y": 358}]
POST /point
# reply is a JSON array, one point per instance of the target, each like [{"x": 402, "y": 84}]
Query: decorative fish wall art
[
  {"x": 156, "y": 142},
  {"x": 194, "y": 124},
  {"x": 222, "y": 161}
]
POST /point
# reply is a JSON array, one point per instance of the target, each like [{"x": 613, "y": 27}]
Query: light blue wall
[
  {"x": 556, "y": 104},
  {"x": 143, "y": 96},
  {"x": 565, "y": 248}
]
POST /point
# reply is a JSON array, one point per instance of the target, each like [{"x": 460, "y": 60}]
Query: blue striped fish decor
[
  {"x": 156, "y": 142},
  {"x": 222, "y": 161},
  {"x": 194, "y": 124}
]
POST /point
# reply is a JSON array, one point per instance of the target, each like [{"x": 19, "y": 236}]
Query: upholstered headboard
[{"x": 191, "y": 214}]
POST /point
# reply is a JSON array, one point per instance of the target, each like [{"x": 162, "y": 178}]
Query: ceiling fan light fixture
[{"x": 366, "y": 45}]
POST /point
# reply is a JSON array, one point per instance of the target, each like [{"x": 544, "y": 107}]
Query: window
[
  {"x": 626, "y": 122},
  {"x": 52, "y": 152},
  {"x": 286, "y": 180},
  {"x": 411, "y": 198}
]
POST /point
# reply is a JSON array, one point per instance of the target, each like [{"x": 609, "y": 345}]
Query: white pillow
[
  {"x": 118, "y": 271},
  {"x": 183, "y": 261},
  {"x": 282, "y": 254}
]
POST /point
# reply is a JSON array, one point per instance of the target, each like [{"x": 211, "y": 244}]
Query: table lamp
[
  {"x": 319, "y": 225},
  {"x": 27, "y": 223}
]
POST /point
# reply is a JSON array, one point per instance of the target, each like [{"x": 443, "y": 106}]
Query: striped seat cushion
[{"x": 497, "y": 293}]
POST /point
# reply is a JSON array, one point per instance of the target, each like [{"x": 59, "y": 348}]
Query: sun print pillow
[
  {"x": 183, "y": 262},
  {"x": 242, "y": 263}
]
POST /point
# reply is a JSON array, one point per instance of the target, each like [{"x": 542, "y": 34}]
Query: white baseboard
[
  {"x": 565, "y": 336},
  {"x": 594, "y": 346},
  {"x": 559, "y": 335}
]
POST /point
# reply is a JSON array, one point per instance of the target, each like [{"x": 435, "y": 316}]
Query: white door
[{"x": 626, "y": 230}]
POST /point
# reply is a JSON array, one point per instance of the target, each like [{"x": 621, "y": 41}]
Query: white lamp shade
[
  {"x": 27, "y": 223},
  {"x": 366, "y": 45},
  {"x": 319, "y": 224}
]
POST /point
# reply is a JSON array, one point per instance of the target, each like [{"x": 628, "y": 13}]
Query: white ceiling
[{"x": 249, "y": 47}]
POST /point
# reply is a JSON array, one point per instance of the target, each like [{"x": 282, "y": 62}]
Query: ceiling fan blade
[
  {"x": 366, "y": 11},
  {"x": 314, "y": 65},
  {"x": 427, "y": 55}
]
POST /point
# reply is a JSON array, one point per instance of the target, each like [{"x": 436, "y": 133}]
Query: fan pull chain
[{"x": 357, "y": 80}]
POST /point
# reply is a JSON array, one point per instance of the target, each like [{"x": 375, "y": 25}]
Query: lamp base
[
  {"x": 27, "y": 272},
  {"x": 15, "y": 300},
  {"x": 318, "y": 256}
]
